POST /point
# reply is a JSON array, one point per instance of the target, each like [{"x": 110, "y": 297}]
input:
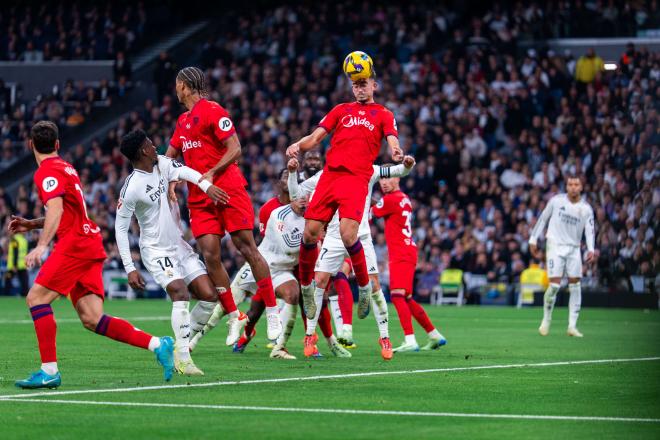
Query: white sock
[
  {"x": 347, "y": 328},
  {"x": 318, "y": 300},
  {"x": 270, "y": 310},
  {"x": 335, "y": 311},
  {"x": 332, "y": 340},
  {"x": 549, "y": 299},
  {"x": 435, "y": 334},
  {"x": 574, "y": 303},
  {"x": 288, "y": 316},
  {"x": 181, "y": 327},
  {"x": 50, "y": 368},
  {"x": 154, "y": 343},
  {"x": 410, "y": 339},
  {"x": 200, "y": 316},
  {"x": 238, "y": 295},
  {"x": 379, "y": 306},
  {"x": 280, "y": 303}
]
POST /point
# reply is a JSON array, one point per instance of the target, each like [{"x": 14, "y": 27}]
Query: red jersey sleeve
[
  {"x": 330, "y": 121},
  {"x": 220, "y": 122},
  {"x": 50, "y": 183},
  {"x": 176, "y": 141},
  {"x": 389, "y": 124},
  {"x": 383, "y": 207}
]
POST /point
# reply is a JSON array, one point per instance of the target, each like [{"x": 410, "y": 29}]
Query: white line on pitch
[
  {"x": 77, "y": 320},
  {"x": 344, "y": 411},
  {"x": 324, "y": 377}
]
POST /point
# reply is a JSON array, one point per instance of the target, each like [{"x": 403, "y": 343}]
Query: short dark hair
[
  {"x": 281, "y": 173},
  {"x": 570, "y": 176},
  {"x": 194, "y": 78},
  {"x": 44, "y": 135},
  {"x": 131, "y": 143}
]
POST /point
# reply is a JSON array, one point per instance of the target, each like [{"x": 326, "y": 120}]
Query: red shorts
[
  {"x": 210, "y": 218},
  {"x": 402, "y": 275},
  {"x": 72, "y": 276},
  {"x": 338, "y": 191}
]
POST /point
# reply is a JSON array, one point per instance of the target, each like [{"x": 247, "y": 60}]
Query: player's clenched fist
[
  {"x": 19, "y": 224},
  {"x": 293, "y": 150},
  {"x": 397, "y": 154},
  {"x": 136, "y": 281},
  {"x": 217, "y": 195},
  {"x": 292, "y": 165},
  {"x": 408, "y": 161}
]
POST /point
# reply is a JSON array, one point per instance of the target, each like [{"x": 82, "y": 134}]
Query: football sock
[
  {"x": 410, "y": 339},
  {"x": 238, "y": 295},
  {"x": 574, "y": 303},
  {"x": 325, "y": 321},
  {"x": 154, "y": 343},
  {"x": 200, "y": 316},
  {"x": 335, "y": 311},
  {"x": 266, "y": 292},
  {"x": 307, "y": 260},
  {"x": 359, "y": 262},
  {"x": 549, "y": 299},
  {"x": 123, "y": 331},
  {"x": 50, "y": 368},
  {"x": 226, "y": 298},
  {"x": 288, "y": 317},
  {"x": 403, "y": 311},
  {"x": 311, "y": 322},
  {"x": 435, "y": 334},
  {"x": 345, "y": 296},
  {"x": 256, "y": 297},
  {"x": 46, "y": 329},
  {"x": 420, "y": 315},
  {"x": 379, "y": 306},
  {"x": 304, "y": 317},
  {"x": 181, "y": 328}
]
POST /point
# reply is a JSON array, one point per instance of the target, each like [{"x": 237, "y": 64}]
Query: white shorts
[
  {"x": 563, "y": 259},
  {"x": 166, "y": 266},
  {"x": 333, "y": 253},
  {"x": 244, "y": 279}
]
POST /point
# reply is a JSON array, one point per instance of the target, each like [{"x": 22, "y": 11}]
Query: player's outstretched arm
[
  {"x": 189, "y": 175},
  {"x": 395, "y": 148},
  {"x": 292, "y": 180},
  {"x": 20, "y": 224},
  {"x": 400, "y": 170},
  {"x": 306, "y": 143},
  {"x": 51, "y": 223}
]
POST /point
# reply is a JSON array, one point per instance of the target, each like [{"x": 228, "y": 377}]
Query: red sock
[
  {"x": 359, "y": 263},
  {"x": 257, "y": 298},
  {"x": 308, "y": 254},
  {"x": 403, "y": 311},
  {"x": 226, "y": 299},
  {"x": 420, "y": 315},
  {"x": 345, "y": 295},
  {"x": 325, "y": 321},
  {"x": 122, "y": 331},
  {"x": 266, "y": 292},
  {"x": 304, "y": 317},
  {"x": 46, "y": 329}
]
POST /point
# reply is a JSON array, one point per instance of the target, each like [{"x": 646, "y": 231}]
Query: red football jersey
[
  {"x": 358, "y": 131},
  {"x": 265, "y": 211},
  {"x": 77, "y": 235},
  {"x": 396, "y": 208},
  {"x": 199, "y": 135}
]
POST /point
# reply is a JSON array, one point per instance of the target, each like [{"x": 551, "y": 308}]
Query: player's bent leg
[
  {"x": 289, "y": 292},
  {"x": 348, "y": 229},
  {"x": 574, "y": 304},
  {"x": 90, "y": 311},
  {"x": 398, "y": 297},
  {"x": 549, "y": 299},
  {"x": 209, "y": 245},
  {"x": 38, "y": 300}
]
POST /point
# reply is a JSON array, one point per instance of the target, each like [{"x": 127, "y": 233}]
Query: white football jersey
[
  {"x": 281, "y": 244},
  {"x": 567, "y": 222},
  {"x": 145, "y": 195},
  {"x": 308, "y": 186}
]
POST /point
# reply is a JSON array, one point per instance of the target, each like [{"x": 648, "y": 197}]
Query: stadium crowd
[{"x": 493, "y": 131}]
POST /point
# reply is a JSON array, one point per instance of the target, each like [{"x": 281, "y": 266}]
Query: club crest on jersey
[
  {"x": 49, "y": 184},
  {"x": 349, "y": 121}
]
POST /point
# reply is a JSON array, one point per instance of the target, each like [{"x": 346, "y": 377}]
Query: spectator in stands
[{"x": 588, "y": 67}]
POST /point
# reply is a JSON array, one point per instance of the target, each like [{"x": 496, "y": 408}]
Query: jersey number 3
[{"x": 407, "y": 228}]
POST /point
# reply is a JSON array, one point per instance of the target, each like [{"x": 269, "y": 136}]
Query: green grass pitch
[{"x": 457, "y": 403}]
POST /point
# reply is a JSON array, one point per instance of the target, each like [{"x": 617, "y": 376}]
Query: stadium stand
[{"x": 493, "y": 130}]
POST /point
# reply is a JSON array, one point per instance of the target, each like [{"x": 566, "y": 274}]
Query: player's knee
[
  {"x": 89, "y": 320},
  {"x": 554, "y": 288}
]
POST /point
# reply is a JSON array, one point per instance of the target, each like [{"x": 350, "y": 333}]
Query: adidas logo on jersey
[
  {"x": 149, "y": 188},
  {"x": 372, "y": 269}
]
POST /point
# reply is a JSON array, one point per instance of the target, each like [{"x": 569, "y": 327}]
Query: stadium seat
[
  {"x": 117, "y": 285},
  {"x": 450, "y": 290}
]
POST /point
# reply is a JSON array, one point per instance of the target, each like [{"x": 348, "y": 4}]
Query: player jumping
[
  {"x": 358, "y": 130},
  {"x": 206, "y": 137},
  {"x": 74, "y": 267},
  {"x": 569, "y": 216},
  {"x": 166, "y": 255},
  {"x": 396, "y": 208}
]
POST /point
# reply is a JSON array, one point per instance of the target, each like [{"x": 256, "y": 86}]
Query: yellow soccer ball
[{"x": 358, "y": 65}]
